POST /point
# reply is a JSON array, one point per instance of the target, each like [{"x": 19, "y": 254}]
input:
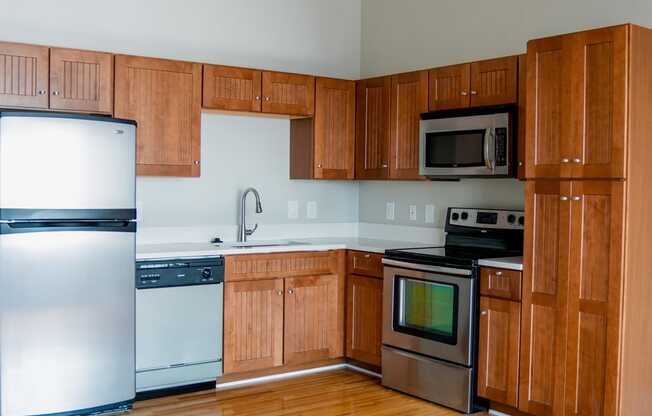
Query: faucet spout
[{"x": 243, "y": 231}]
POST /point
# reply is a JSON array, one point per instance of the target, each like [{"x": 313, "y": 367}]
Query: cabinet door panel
[
  {"x": 372, "y": 131},
  {"x": 494, "y": 81},
  {"x": 546, "y": 257},
  {"x": 81, "y": 80},
  {"x": 253, "y": 325},
  {"x": 522, "y": 113},
  {"x": 231, "y": 88},
  {"x": 334, "y": 129},
  {"x": 164, "y": 97},
  {"x": 599, "y": 93},
  {"x": 408, "y": 100},
  {"x": 364, "y": 319},
  {"x": 288, "y": 94},
  {"x": 498, "y": 355},
  {"x": 311, "y": 319},
  {"x": 449, "y": 87},
  {"x": 594, "y": 297},
  {"x": 24, "y": 75}
]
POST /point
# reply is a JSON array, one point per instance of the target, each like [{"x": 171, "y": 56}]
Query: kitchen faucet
[{"x": 243, "y": 232}]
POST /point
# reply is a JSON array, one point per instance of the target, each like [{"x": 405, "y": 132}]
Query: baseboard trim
[{"x": 292, "y": 374}]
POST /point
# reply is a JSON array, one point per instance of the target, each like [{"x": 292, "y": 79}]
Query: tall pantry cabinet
[{"x": 587, "y": 288}]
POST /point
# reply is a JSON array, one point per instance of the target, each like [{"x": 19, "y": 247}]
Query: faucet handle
[{"x": 249, "y": 232}]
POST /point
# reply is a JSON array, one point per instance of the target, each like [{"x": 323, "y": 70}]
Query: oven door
[
  {"x": 465, "y": 146},
  {"x": 429, "y": 311}
]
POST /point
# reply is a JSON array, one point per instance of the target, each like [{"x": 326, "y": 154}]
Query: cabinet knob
[
  {"x": 483, "y": 312},
  {"x": 499, "y": 273},
  {"x": 55, "y": 92},
  {"x": 290, "y": 291},
  {"x": 577, "y": 198},
  {"x": 577, "y": 160},
  {"x": 563, "y": 198},
  {"x": 319, "y": 165},
  {"x": 258, "y": 98},
  {"x": 520, "y": 163},
  {"x": 565, "y": 160},
  {"x": 384, "y": 165},
  {"x": 474, "y": 93},
  {"x": 196, "y": 162},
  {"x": 464, "y": 93},
  {"x": 366, "y": 256},
  {"x": 267, "y": 98},
  {"x": 42, "y": 92},
  {"x": 279, "y": 292}
]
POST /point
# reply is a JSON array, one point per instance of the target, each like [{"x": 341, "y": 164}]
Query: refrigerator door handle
[{"x": 49, "y": 226}]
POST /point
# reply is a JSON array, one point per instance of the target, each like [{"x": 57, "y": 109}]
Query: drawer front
[
  {"x": 265, "y": 266},
  {"x": 500, "y": 283},
  {"x": 365, "y": 263}
]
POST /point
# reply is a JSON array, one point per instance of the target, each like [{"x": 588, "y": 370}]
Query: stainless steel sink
[{"x": 256, "y": 244}]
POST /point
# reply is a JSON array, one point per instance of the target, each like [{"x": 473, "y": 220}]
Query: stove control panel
[{"x": 486, "y": 218}]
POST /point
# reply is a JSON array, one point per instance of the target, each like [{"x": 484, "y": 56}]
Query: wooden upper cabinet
[
  {"x": 372, "y": 128},
  {"x": 594, "y": 297},
  {"x": 449, "y": 87},
  {"x": 334, "y": 129},
  {"x": 24, "y": 75},
  {"x": 290, "y": 94},
  {"x": 312, "y": 330},
  {"x": 494, "y": 81},
  {"x": 231, "y": 88},
  {"x": 164, "y": 97},
  {"x": 364, "y": 319},
  {"x": 576, "y": 114},
  {"x": 544, "y": 297},
  {"x": 409, "y": 98},
  {"x": 498, "y": 351},
  {"x": 81, "y": 81},
  {"x": 253, "y": 325}
]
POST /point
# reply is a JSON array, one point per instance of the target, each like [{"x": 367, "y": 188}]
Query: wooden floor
[{"x": 336, "y": 393}]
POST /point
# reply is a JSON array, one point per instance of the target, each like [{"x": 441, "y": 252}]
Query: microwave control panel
[{"x": 501, "y": 146}]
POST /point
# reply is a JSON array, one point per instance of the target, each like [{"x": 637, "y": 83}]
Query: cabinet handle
[
  {"x": 577, "y": 198},
  {"x": 483, "y": 312},
  {"x": 384, "y": 165},
  {"x": 464, "y": 93},
  {"x": 474, "y": 93},
  {"x": 279, "y": 292},
  {"x": 196, "y": 162},
  {"x": 42, "y": 92},
  {"x": 499, "y": 273},
  {"x": 520, "y": 163},
  {"x": 55, "y": 93},
  {"x": 319, "y": 165},
  {"x": 258, "y": 98},
  {"x": 563, "y": 198},
  {"x": 577, "y": 160},
  {"x": 565, "y": 160},
  {"x": 267, "y": 98},
  {"x": 290, "y": 291}
]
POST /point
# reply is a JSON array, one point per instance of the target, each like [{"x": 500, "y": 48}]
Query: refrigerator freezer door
[
  {"x": 68, "y": 163},
  {"x": 67, "y": 327}
]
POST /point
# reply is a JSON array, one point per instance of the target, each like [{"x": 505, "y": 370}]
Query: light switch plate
[
  {"x": 311, "y": 209},
  {"x": 293, "y": 210},
  {"x": 413, "y": 212},
  {"x": 430, "y": 214},
  {"x": 390, "y": 211}
]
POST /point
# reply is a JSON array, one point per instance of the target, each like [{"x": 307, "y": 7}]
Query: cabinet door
[
  {"x": 290, "y": 94},
  {"x": 364, "y": 318},
  {"x": 164, "y": 97},
  {"x": 334, "y": 129},
  {"x": 547, "y": 116},
  {"x": 231, "y": 88},
  {"x": 449, "y": 87},
  {"x": 498, "y": 354},
  {"x": 253, "y": 325},
  {"x": 81, "y": 80},
  {"x": 372, "y": 131},
  {"x": 545, "y": 283},
  {"x": 24, "y": 75},
  {"x": 494, "y": 81},
  {"x": 311, "y": 319},
  {"x": 598, "y": 73},
  {"x": 408, "y": 100},
  {"x": 594, "y": 297}
]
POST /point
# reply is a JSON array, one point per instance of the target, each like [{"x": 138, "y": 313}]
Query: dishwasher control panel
[{"x": 179, "y": 272}]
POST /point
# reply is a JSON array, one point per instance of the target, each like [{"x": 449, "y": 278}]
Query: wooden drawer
[
  {"x": 500, "y": 283},
  {"x": 365, "y": 263},
  {"x": 244, "y": 267}
]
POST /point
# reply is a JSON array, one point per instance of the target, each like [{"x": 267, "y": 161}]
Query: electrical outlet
[
  {"x": 293, "y": 210},
  {"x": 430, "y": 214},
  {"x": 390, "y": 211},
  {"x": 311, "y": 210},
  {"x": 413, "y": 212}
]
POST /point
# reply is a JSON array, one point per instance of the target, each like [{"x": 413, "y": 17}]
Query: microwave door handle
[{"x": 489, "y": 144}]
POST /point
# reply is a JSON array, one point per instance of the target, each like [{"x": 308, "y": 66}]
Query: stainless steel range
[{"x": 430, "y": 305}]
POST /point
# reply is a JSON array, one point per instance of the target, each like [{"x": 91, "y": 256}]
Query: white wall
[{"x": 309, "y": 36}]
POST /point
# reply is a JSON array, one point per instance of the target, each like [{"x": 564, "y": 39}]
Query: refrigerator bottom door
[{"x": 67, "y": 323}]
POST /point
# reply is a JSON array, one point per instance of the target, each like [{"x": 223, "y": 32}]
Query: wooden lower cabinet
[
  {"x": 364, "y": 318},
  {"x": 311, "y": 319},
  {"x": 498, "y": 353},
  {"x": 253, "y": 325}
]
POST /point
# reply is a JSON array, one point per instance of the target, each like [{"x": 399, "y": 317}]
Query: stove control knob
[
  {"x": 455, "y": 216},
  {"x": 465, "y": 216},
  {"x": 511, "y": 218},
  {"x": 206, "y": 273},
  {"x": 521, "y": 220}
]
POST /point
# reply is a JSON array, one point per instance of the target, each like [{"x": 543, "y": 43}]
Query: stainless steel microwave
[{"x": 467, "y": 143}]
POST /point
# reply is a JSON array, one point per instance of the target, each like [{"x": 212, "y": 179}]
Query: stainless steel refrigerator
[{"x": 67, "y": 263}]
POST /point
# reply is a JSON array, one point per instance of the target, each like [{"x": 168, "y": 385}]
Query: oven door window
[
  {"x": 464, "y": 148},
  {"x": 426, "y": 309}
]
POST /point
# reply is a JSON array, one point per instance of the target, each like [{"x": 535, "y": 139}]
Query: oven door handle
[
  {"x": 489, "y": 144},
  {"x": 427, "y": 267}
]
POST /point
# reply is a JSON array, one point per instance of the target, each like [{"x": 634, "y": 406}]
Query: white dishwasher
[{"x": 179, "y": 322}]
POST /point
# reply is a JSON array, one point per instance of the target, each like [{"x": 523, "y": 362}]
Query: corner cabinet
[{"x": 164, "y": 97}]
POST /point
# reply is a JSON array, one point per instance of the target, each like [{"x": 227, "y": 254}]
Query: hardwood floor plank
[{"x": 337, "y": 393}]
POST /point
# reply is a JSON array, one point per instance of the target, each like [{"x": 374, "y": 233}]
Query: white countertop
[
  {"x": 510, "y": 263},
  {"x": 174, "y": 250}
]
